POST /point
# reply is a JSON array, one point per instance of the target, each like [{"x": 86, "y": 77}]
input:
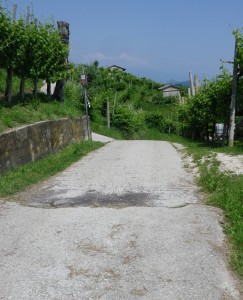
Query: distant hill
[
  {"x": 179, "y": 83},
  {"x": 184, "y": 83}
]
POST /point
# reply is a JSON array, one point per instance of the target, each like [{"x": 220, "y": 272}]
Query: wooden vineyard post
[
  {"x": 196, "y": 84},
  {"x": 191, "y": 85}
]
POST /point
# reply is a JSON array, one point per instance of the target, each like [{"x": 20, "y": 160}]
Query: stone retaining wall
[{"x": 32, "y": 142}]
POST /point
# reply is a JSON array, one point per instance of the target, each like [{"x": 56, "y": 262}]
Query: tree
[
  {"x": 63, "y": 28},
  {"x": 34, "y": 51},
  {"x": 12, "y": 43},
  {"x": 22, "y": 63},
  {"x": 55, "y": 66},
  {"x": 199, "y": 114},
  {"x": 38, "y": 52}
]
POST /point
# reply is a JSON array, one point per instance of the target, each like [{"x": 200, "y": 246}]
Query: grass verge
[
  {"x": 19, "y": 179},
  {"x": 223, "y": 190},
  {"x": 226, "y": 191},
  {"x": 111, "y": 132}
]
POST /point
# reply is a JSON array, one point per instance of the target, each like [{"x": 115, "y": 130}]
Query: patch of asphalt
[
  {"x": 93, "y": 199},
  {"x": 121, "y": 171}
]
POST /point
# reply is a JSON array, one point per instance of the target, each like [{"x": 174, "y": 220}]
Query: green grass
[
  {"x": 35, "y": 110},
  {"x": 19, "y": 179},
  {"x": 15, "y": 83},
  {"x": 222, "y": 190},
  {"x": 99, "y": 125},
  {"x": 165, "y": 109},
  {"x": 110, "y": 132},
  {"x": 226, "y": 191}
]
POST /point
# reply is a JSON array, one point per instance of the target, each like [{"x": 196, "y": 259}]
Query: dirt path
[{"x": 136, "y": 229}]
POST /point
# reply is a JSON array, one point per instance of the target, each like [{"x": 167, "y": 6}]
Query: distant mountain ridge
[{"x": 185, "y": 83}]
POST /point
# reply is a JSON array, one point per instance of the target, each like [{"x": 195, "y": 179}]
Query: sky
[{"x": 157, "y": 39}]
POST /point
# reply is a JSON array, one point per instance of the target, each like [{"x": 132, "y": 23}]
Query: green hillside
[{"x": 136, "y": 105}]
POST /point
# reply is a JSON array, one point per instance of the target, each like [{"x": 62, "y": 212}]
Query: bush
[
  {"x": 74, "y": 96},
  {"x": 125, "y": 96},
  {"x": 159, "y": 99},
  {"x": 158, "y": 121},
  {"x": 127, "y": 120},
  {"x": 154, "y": 120}
]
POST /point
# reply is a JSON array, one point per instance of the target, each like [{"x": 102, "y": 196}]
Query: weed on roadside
[
  {"x": 19, "y": 179},
  {"x": 226, "y": 191}
]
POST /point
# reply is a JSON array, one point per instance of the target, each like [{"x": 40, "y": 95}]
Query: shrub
[
  {"x": 158, "y": 121},
  {"x": 159, "y": 99},
  {"x": 74, "y": 96},
  {"x": 127, "y": 120}
]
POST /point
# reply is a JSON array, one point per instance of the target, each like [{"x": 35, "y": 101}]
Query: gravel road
[{"x": 125, "y": 222}]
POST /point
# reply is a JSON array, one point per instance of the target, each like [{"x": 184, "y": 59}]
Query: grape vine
[{"x": 32, "y": 51}]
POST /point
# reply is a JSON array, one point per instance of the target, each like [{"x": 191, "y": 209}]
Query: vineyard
[
  {"x": 30, "y": 50},
  {"x": 218, "y": 101}
]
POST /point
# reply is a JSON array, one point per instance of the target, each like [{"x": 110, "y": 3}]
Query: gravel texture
[
  {"x": 230, "y": 163},
  {"x": 136, "y": 229}
]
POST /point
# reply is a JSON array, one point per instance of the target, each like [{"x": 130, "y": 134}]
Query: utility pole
[
  {"x": 233, "y": 99},
  {"x": 83, "y": 82}
]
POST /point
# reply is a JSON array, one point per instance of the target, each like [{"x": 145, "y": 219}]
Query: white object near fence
[{"x": 219, "y": 129}]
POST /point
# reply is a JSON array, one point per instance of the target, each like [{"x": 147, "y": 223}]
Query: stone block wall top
[{"x": 32, "y": 142}]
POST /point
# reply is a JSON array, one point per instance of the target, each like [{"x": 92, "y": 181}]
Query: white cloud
[
  {"x": 132, "y": 60},
  {"x": 122, "y": 58},
  {"x": 95, "y": 56}
]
